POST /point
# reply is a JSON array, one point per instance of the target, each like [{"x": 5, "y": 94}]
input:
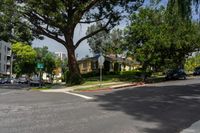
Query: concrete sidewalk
[{"x": 112, "y": 85}]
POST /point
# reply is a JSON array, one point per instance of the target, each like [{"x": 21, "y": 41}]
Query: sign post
[
  {"x": 40, "y": 66},
  {"x": 101, "y": 60}
]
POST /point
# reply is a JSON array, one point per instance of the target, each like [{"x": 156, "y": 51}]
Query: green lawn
[{"x": 111, "y": 78}]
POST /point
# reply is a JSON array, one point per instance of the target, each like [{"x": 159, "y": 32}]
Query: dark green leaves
[{"x": 158, "y": 38}]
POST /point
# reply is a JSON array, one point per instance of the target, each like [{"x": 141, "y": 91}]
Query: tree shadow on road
[{"x": 174, "y": 108}]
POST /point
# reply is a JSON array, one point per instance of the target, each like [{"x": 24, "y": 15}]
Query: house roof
[{"x": 110, "y": 58}]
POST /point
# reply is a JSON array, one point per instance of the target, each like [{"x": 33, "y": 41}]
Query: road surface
[{"x": 168, "y": 107}]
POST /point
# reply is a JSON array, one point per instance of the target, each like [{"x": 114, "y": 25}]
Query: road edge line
[{"x": 79, "y": 95}]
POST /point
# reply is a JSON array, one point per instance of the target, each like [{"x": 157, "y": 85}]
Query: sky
[
  {"x": 80, "y": 31},
  {"x": 54, "y": 46}
]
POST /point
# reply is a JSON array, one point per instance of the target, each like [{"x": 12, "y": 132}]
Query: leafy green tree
[
  {"x": 24, "y": 62},
  {"x": 47, "y": 58},
  {"x": 12, "y": 30},
  {"x": 158, "y": 39},
  {"x": 192, "y": 62},
  {"x": 185, "y": 7},
  {"x": 57, "y": 19},
  {"x": 105, "y": 42}
]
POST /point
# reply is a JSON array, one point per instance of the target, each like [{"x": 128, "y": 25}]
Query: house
[
  {"x": 5, "y": 58},
  {"x": 112, "y": 64}
]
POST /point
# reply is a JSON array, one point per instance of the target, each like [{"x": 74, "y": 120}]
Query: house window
[
  {"x": 94, "y": 66},
  {"x": 84, "y": 64}
]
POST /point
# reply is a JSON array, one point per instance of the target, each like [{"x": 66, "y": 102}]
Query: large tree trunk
[
  {"x": 74, "y": 73},
  {"x": 74, "y": 76}
]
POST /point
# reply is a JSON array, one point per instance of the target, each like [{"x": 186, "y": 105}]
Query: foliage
[
  {"x": 26, "y": 59},
  {"x": 25, "y": 55},
  {"x": 10, "y": 26},
  {"x": 58, "y": 19},
  {"x": 184, "y": 7},
  {"x": 192, "y": 62},
  {"x": 105, "y": 42},
  {"x": 47, "y": 58},
  {"x": 159, "y": 39}
]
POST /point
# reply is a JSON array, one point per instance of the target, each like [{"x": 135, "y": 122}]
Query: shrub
[
  {"x": 132, "y": 73},
  {"x": 90, "y": 74}
]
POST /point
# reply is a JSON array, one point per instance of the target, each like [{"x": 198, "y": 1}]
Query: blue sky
[
  {"x": 80, "y": 31},
  {"x": 54, "y": 46}
]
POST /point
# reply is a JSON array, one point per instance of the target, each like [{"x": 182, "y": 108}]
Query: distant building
[
  {"x": 111, "y": 64},
  {"x": 61, "y": 55},
  {"x": 5, "y": 58}
]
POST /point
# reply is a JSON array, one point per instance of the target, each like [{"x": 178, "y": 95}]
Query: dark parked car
[
  {"x": 196, "y": 71},
  {"x": 23, "y": 80},
  {"x": 175, "y": 74},
  {"x": 5, "y": 80},
  {"x": 36, "y": 82},
  {"x": 2, "y": 81}
]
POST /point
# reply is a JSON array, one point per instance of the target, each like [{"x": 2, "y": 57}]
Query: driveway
[{"x": 166, "y": 107}]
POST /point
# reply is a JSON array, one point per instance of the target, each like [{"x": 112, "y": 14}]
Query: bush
[
  {"x": 90, "y": 74},
  {"x": 132, "y": 73}
]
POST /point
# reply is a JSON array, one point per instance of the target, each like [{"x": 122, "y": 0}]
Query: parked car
[
  {"x": 35, "y": 81},
  {"x": 5, "y": 80},
  {"x": 2, "y": 81},
  {"x": 23, "y": 80},
  {"x": 175, "y": 74},
  {"x": 196, "y": 71}
]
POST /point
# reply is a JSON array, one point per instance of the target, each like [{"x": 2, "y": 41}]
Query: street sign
[
  {"x": 40, "y": 65},
  {"x": 101, "y": 60}
]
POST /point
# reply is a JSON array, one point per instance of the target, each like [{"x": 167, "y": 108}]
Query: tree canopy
[
  {"x": 157, "y": 38},
  {"x": 24, "y": 62},
  {"x": 11, "y": 27},
  {"x": 105, "y": 42},
  {"x": 57, "y": 19}
]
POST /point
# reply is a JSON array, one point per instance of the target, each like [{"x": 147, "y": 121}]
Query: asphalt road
[{"x": 167, "y": 107}]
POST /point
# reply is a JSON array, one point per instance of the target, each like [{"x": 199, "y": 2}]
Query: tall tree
[
  {"x": 11, "y": 29},
  {"x": 25, "y": 56},
  {"x": 185, "y": 7},
  {"x": 57, "y": 19},
  {"x": 105, "y": 42},
  {"x": 47, "y": 58},
  {"x": 158, "y": 38}
]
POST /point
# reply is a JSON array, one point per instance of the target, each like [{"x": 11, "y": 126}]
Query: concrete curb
[{"x": 114, "y": 87}]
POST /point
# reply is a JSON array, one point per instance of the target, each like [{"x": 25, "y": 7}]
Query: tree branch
[
  {"x": 92, "y": 21},
  {"x": 89, "y": 5},
  {"x": 93, "y": 33},
  {"x": 79, "y": 13},
  {"x": 49, "y": 34},
  {"x": 41, "y": 30},
  {"x": 33, "y": 14}
]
